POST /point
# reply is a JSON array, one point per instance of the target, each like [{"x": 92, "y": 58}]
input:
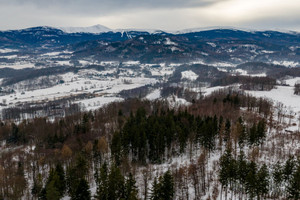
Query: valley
[{"x": 125, "y": 114}]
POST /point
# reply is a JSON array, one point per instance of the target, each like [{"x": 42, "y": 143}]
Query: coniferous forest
[{"x": 228, "y": 145}]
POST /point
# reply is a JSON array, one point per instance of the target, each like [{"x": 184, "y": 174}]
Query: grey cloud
[
  {"x": 103, "y": 7},
  {"x": 153, "y": 14}
]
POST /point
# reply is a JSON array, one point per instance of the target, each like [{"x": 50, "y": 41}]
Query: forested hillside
[{"x": 226, "y": 145}]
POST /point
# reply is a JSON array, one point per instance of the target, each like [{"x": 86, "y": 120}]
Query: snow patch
[
  {"x": 95, "y": 103},
  {"x": 20, "y": 65},
  {"x": 190, "y": 75},
  {"x": 169, "y": 42},
  {"x": 245, "y": 73},
  {"x": 154, "y": 95},
  {"x": 269, "y": 52},
  {"x": 8, "y": 50},
  {"x": 286, "y": 63},
  {"x": 211, "y": 44}
]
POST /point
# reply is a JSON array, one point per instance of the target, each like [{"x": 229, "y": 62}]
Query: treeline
[
  {"x": 12, "y": 76},
  {"x": 272, "y": 70},
  {"x": 180, "y": 92},
  {"x": 281, "y": 73},
  {"x": 139, "y": 92},
  {"x": 247, "y": 82},
  {"x": 53, "y": 109}
]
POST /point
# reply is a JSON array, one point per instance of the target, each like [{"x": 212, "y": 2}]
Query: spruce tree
[
  {"x": 289, "y": 168},
  {"x": 167, "y": 186},
  {"x": 115, "y": 184},
  {"x": 82, "y": 191},
  {"x": 52, "y": 192},
  {"x": 262, "y": 181},
  {"x": 75, "y": 173},
  {"x": 251, "y": 180},
  {"x": 277, "y": 177},
  {"x": 116, "y": 148},
  {"x": 156, "y": 190},
  {"x": 102, "y": 183},
  {"x": 293, "y": 188},
  {"x": 131, "y": 191},
  {"x": 61, "y": 182},
  {"x": 224, "y": 172}
]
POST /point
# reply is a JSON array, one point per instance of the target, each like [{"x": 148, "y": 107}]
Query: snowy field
[
  {"x": 105, "y": 89},
  {"x": 286, "y": 96}
]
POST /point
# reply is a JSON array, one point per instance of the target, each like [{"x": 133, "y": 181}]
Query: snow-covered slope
[
  {"x": 190, "y": 75},
  {"x": 91, "y": 29}
]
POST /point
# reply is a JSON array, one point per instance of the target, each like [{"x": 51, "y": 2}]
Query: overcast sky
[{"x": 151, "y": 14}]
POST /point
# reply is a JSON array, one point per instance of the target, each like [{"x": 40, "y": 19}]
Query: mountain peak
[{"x": 90, "y": 29}]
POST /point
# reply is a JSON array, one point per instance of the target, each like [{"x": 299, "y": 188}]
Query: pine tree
[
  {"x": 242, "y": 171},
  {"x": 61, "y": 182},
  {"x": 262, "y": 181},
  {"x": 52, "y": 192},
  {"x": 168, "y": 186},
  {"x": 116, "y": 148},
  {"x": 261, "y": 131},
  {"x": 131, "y": 191},
  {"x": 156, "y": 190},
  {"x": 251, "y": 180},
  {"x": 227, "y": 130},
  {"x": 224, "y": 172},
  {"x": 164, "y": 189},
  {"x": 55, "y": 185},
  {"x": 277, "y": 177},
  {"x": 293, "y": 188},
  {"x": 75, "y": 173},
  {"x": 115, "y": 184},
  {"x": 288, "y": 169},
  {"x": 102, "y": 183},
  {"x": 82, "y": 191}
]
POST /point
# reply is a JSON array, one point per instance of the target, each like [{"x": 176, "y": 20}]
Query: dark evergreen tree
[
  {"x": 224, "y": 173},
  {"x": 242, "y": 170},
  {"x": 61, "y": 182},
  {"x": 75, "y": 173},
  {"x": 115, "y": 184},
  {"x": 102, "y": 183},
  {"x": 82, "y": 191},
  {"x": 163, "y": 189},
  {"x": 56, "y": 185},
  {"x": 131, "y": 190},
  {"x": 116, "y": 148},
  {"x": 51, "y": 190},
  {"x": 167, "y": 186},
  {"x": 261, "y": 131},
  {"x": 293, "y": 188},
  {"x": 277, "y": 177},
  {"x": 289, "y": 168},
  {"x": 156, "y": 190},
  {"x": 262, "y": 179},
  {"x": 227, "y": 130},
  {"x": 251, "y": 180}
]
